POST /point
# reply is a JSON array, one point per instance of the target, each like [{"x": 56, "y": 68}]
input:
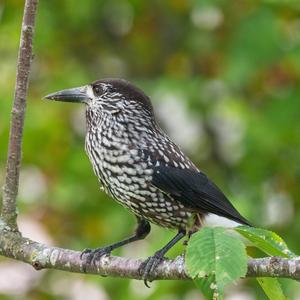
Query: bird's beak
[{"x": 77, "y": 95}]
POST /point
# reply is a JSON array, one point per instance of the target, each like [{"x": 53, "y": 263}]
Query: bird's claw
[
  {"x": 84, "y": 252},
  {"x": 92, "y": 255},
  {"x": 148, "y": 267}
]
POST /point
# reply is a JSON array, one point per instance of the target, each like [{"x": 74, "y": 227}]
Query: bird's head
[{"x": 108, "y": 96}]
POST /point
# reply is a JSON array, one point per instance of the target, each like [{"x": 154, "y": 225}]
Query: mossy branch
[{"x": 40, "y": 256}]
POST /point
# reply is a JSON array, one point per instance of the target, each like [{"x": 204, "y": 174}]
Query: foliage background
[{"x": 224, "y": 79}]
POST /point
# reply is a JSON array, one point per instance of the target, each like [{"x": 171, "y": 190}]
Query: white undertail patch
[{"x": 213, "y": 220}]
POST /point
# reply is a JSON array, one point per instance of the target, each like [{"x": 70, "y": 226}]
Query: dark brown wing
[{"x": 194, "y": 190}]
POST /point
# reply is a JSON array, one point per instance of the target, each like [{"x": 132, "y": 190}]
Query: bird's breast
[
  {"x": 118, "y": 165},
  {"x": 126, "y": 171}
]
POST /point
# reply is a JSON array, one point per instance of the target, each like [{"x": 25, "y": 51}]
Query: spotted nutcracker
[{"x": 140, "y": 167}]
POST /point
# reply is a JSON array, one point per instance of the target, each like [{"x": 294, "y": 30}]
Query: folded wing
[{"x": 194, "y": 190}]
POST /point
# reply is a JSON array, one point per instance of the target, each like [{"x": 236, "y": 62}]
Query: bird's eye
[{"x": 97, "y": 90}]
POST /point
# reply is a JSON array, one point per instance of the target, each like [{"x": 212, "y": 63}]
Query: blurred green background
[{"x": 224, "y": 79}]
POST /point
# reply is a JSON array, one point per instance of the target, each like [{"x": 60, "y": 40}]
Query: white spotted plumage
[
  {"x": 123, "y": 168},
  {"x": 128, "y": 149}
]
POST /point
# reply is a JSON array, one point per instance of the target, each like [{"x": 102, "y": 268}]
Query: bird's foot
[
  {"x": 92, "y": 255},
  {"x": 149, "y": 265}
]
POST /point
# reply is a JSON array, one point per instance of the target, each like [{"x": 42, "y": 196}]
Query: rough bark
[
  {"x": 10, "y": 189},
  {"x": 40, "y": 256}
]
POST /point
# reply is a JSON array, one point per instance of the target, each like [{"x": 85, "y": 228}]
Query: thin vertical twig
[{"x": 11, "y": 183}]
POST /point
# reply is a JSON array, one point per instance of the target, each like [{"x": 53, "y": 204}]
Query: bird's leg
[
  {"x": 141, "y": 232},
  {"x": 149, "y": 265}
]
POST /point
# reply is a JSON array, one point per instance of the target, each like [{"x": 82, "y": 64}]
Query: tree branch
[
  {"x": 40, "y": 256},
  {"x": 10, "y": 189}
]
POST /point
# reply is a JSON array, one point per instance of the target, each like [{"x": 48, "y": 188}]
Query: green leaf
[
  {"x": 267, "y": 241},
  {"x": 272, "y": 288},
  {"x": 208, "y": 287},
  {"x": 215, "y": 254}
]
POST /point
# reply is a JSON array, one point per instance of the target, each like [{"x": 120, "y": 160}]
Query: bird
[{"x": 139, "y": 166}]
